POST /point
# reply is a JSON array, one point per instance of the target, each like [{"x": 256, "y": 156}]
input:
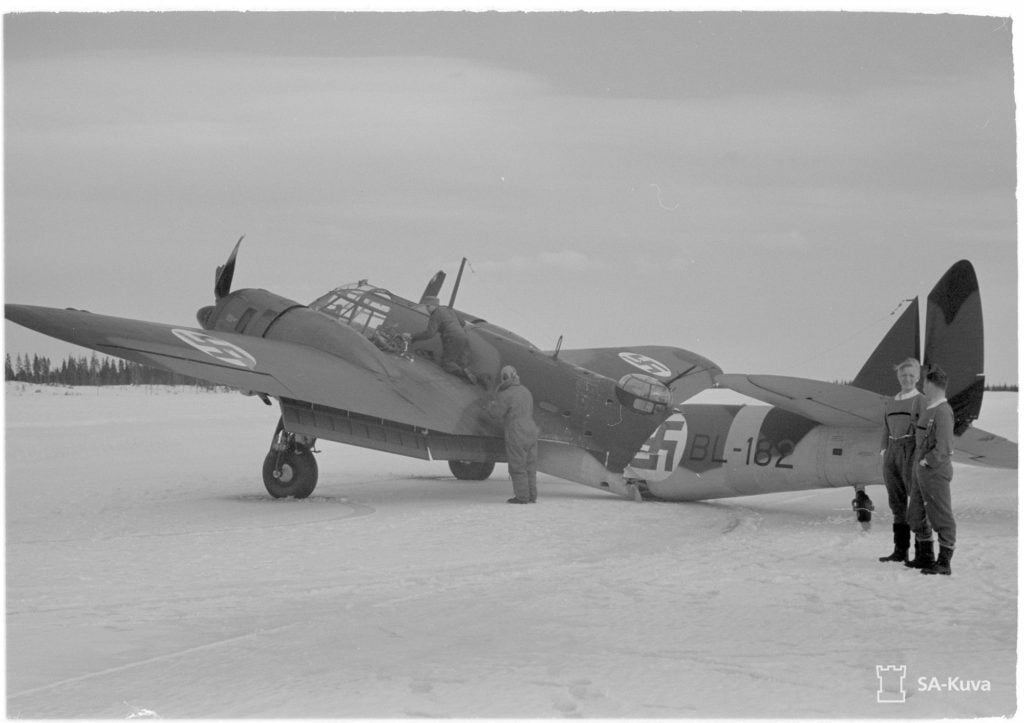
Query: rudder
[{"x": 954, "y": 341}]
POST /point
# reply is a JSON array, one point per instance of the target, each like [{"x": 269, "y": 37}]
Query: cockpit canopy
[
  {"x": 360, "y": 305},
  {"x": 366, "y": 308}
]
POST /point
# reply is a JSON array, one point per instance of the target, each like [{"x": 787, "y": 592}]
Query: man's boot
[
  {"x": 941, "y": 566},
  {"x": 901, "y": 543},
  {"x": 924, "y": 555}
]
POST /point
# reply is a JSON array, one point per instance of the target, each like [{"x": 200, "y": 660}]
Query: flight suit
[
  {"x": 898, "y": 441},
  {"x": 513, "y": 405},
  {"x": 454, "y": 342},
  {"x": 931, "y": 501}
]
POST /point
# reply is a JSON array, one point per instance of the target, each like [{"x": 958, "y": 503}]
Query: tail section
[
  {"x": 954, "y": 340},
  {"x": 903, "y": 341}
]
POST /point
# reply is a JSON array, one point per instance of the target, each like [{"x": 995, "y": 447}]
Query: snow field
[{"x": 148, "y": 571}]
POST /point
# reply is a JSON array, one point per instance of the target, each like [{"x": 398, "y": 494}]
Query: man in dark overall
[
  {"x": 513, "y": 405},
  {"x": 454, "y": 342},
  {"x": 932, "y": 502},
  {"x": 898, "y": 426}
]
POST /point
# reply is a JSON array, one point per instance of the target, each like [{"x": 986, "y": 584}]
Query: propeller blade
[
  {"x": 433, "y": 286},
  {"x": 225, "y": 273}
]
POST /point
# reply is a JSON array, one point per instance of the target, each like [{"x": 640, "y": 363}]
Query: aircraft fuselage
[{"x": 707, "y": 451}]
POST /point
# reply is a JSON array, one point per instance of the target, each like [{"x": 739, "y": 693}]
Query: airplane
[{"x": 341, "y": 369}]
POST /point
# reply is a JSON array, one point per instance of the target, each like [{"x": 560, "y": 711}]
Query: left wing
[
  {"x": 416, "y": 394},
  {"x": 682, "y": 371}
]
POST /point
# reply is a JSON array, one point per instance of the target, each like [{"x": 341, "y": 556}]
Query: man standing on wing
[{"x": 454, "y": 341}]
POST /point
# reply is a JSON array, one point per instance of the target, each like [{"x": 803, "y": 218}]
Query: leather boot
[
  {"x": 941, "y": 565},
  {"x": 924, "y": 555},
  {"x": 901, "y": 543}
]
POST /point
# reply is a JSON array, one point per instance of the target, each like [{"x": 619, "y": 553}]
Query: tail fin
[
  {"x": 954, "y": 340},
  {"x": 902, "y": 341}
]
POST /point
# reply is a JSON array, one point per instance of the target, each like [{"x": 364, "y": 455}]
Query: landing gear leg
[
  {"x": 289, "y": 469},
  {"x": 863, "y": 507}
]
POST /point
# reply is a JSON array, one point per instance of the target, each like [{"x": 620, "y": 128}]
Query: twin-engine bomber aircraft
[{"x": 341, "y": 369}]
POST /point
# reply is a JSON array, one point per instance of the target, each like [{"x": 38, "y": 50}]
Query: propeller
[
  {"x": 225, "y": 273},
  {"x": 221, "y": 287}
]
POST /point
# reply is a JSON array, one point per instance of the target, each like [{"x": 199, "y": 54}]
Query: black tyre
[
  {"x": 477, "y": 471},
  {"x": 298, "y": 475}
]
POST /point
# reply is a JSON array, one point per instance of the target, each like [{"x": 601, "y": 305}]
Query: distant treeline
[
  {"x": 90, "y": 372},
  {"x": 988, "y": 387},
  {"x": 93, "y": 371}
]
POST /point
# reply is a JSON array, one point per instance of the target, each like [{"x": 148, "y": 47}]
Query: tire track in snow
[
  {"x": 147, "y": 661},
  {"x": 357, "y": 510}
]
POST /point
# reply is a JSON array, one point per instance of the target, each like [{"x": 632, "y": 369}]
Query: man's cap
[{"x": 431, "y": 301}]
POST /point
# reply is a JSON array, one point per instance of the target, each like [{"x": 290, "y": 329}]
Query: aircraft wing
[
  {"x": 978, "y": 447},
  {"x": 830, "y": 404},
  {"x": 685, "y": 372},
  {"x": 415, "y": 394}
]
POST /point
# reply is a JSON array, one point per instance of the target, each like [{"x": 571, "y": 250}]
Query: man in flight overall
[
  {"x": 932, "y": 502},
  {"x": 513, "y": 405},
  {"x": 898, "y": 428}
]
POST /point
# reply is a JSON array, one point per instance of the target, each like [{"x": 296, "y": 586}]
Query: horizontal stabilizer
[
  {"x": 830, "y": 404},
  {"x": 978, "y": 447}
]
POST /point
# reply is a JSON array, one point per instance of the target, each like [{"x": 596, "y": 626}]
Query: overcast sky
[{"x": 763, "y": 189}]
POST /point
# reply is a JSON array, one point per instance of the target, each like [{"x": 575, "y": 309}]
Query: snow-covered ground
[{"x": 148, "y": 573}]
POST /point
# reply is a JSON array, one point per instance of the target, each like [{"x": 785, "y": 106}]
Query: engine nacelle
[
  {"x": 257, "y": 312},
  {"x": 642, "y": 394}
]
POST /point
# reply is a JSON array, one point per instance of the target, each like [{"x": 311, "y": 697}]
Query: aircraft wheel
[
  {"x": 863, "y": 507},
  {"x": 477, "y": 471},
  {"x": 297, "y": 476}
]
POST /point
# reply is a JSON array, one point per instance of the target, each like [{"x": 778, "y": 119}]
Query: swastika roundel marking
[
  {"x": 222, "y": 351},
  {"x": 645, "y": 363}
]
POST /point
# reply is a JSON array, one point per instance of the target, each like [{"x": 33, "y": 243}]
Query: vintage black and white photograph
[{"x": 510, "y": 363}]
